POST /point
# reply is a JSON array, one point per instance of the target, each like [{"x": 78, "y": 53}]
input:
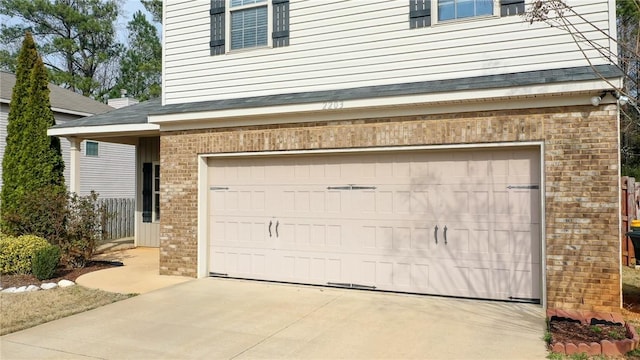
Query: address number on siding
[{"x": 332, "y": 105}]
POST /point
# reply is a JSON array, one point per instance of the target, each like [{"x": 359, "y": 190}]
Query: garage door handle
[
  {"x": 270, "y": 223},
  {"x": 435, "y": 234},
  {"x": 445, "y": 234},
  {"x": 277, "y": 224}
]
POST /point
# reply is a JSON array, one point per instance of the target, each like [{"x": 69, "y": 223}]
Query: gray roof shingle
[
  {"x": 60, "y": 98},
  {"x": 133, "y": 114},
  {"x": 137, "y": 114}
]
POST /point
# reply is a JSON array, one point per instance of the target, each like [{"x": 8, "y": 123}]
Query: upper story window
[
  {"x": 249, "y": 23},
  {"x": 246, "y": 24},
  {"x": 421, "y": 11},
  {"x": 459, "y": 9}
]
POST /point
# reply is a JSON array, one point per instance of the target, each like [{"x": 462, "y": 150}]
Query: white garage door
[{"x": 460, "y": 223}]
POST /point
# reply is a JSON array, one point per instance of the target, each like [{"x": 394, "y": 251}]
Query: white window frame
[
  {"x": 86, "y": 147},
  {"x": 434, "y": 14},
  {"x": 155, "y": 215},
  {"x": 227, "y": 21}
]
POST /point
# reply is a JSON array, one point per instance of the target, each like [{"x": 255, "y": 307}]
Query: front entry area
[{"x": 455, "y": 222}]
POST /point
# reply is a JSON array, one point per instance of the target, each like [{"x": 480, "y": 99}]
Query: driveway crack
[
  {"x": 287, "y": 326},
  {"x": 56, "y": 350}
]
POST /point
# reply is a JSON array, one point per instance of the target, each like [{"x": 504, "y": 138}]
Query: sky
[{"x": 127, "y": 9}]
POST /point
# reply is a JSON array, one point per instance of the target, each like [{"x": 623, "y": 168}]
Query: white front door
[{"x": 461, "y": 223}]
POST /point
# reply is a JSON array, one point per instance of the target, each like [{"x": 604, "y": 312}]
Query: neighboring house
[
  {"x": 422, "y": 146},
  {"x": 106, "y": 168}
]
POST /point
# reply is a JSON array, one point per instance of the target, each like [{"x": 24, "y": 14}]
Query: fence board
[
  {"x": 628, "y": 212},
  {"x": 120, "y": 218}
]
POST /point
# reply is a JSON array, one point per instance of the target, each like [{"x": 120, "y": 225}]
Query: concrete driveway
[{"x": 233, "y": 319}]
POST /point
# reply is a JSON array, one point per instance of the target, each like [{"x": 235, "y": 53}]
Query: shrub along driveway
[{"x": 221, "y": 318}]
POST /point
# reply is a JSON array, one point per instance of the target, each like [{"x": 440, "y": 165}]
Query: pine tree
[{"x": 32, "y": 165}]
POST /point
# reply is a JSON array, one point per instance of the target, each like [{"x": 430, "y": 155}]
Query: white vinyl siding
[
  {"x": 111, "y": 174},
  {"x": 344, "y": 44}
]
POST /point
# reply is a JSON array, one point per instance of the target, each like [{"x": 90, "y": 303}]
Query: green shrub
[
  {"x": 83, "y": 229},
  {"x": 16, "y": 253},
  {"x": 45, "y": 262}
]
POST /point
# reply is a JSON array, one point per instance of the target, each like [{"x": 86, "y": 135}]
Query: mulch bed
[
  {"x": 565, "y": 331},
  {"x": 7, "y": 281}
]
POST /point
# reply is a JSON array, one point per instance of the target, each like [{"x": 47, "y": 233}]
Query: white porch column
[{"x": 74, "y": 166}]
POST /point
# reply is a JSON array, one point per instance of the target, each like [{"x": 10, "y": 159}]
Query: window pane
[
  {"x": 157, "y": 207},
  {"x": 261, "y": 26},
  {"x": 458, "y": 9},
  {"x": 446, "y": 10},
  {"x": 464, "y": 8},
  {"x": 91, "y": 148},
  {"x": 484, "y": 7},
  {"x": 249, "y": 28},
  {"x": 235, "y": 3}
]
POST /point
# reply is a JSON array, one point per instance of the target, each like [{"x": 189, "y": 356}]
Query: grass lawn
[{"x": 25, "y": 310}]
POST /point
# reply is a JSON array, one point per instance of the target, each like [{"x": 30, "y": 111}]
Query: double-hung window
[
  {"x": 424, "y": 13},
  {"x": 248, "y": 24}
]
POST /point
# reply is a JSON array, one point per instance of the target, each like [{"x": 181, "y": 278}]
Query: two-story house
[{"x": 427, "y": 146}]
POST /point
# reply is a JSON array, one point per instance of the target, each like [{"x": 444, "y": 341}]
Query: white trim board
[{"x": 121, "y": 130}]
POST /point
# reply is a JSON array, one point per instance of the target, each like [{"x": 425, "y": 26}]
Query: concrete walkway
[
  {"x": 232, "y": 319},
  {"x": 139, "y": 274}
]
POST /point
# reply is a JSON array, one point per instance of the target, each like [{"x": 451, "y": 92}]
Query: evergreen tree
[
  {"x": 141, "y": 65},
  {"x": 155, "y": 8},
  {"x": 32, "y": 165},
  {"x": 78, "y": 40}
]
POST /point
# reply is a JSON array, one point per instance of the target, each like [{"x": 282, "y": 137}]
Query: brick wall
[{"x": 581, "y": 176}]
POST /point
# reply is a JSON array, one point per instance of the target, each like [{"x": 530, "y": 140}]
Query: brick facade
[{"x": 581, "y": 182}]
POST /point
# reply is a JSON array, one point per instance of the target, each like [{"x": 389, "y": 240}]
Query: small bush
[
  {"x": 16, "y": 253},
  {"x": 83, "y": 229},
  {"x": 45, "y": 262}
]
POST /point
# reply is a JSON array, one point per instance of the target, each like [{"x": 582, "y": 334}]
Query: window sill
[
  {"x": 245, "y": 50},
  {"x": 466, "y": 20}
]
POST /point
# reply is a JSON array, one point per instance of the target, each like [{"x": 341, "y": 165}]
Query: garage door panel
[{"x": 380, "y": 219}]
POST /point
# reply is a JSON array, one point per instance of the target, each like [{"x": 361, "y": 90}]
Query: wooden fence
[
  {"x": 628, "y": 206},
  {"x": 120, "y": 219}
]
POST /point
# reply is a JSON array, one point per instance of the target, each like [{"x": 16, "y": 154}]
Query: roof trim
[
  {"x": 83, "y": 131},
  {"x": 520, "y": 79},
  {"x": 413, "y": 104}
]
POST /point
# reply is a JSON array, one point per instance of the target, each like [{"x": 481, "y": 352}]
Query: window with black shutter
[
  {"x": 280, "y": 32},
  {"x": 217, "y": 27},
  {"x": 421, "y": 11},
  {"x": 248, "y": 25},
  {"x": 511, "y": 7}
]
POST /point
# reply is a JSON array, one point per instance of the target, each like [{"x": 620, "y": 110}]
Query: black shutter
[
  {"x": 511, "y": 7},
  {"x": 147, "y": 192},
  {"x": 217, "y": 27},
  {"x": 419, "y": 13},
  {"x": 280, "y": 33}
]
